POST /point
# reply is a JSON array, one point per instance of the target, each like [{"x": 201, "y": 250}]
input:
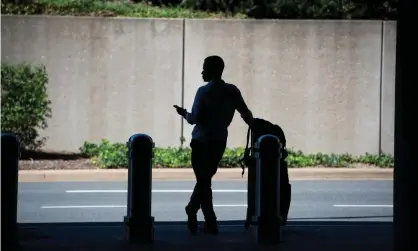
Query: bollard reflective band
[{"x": 268, "y": 146}]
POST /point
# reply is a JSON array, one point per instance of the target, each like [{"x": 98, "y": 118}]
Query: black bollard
[
  {"x": 139, "y": 222},
  {"x": 267, "y": 219},
  {"x": 10, "y": 154}
]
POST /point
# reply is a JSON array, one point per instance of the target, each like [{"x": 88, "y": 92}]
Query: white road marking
[
  {"x": 85, "y": 206},
  {"x": 233, "y": 205},
  {"x": 117, "y": 206},
  {"x": 158, "y": 191},
  {"x": 371, "y": 206},
  {"x": 96, "y": 191},
  {"x": 227, "y": 205}
]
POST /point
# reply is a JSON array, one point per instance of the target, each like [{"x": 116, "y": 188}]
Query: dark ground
[{"x": 298, "y": 236}]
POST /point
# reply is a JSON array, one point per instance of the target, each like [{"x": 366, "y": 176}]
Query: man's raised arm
[
  {"x": 196, "y": 113},
  {"x": 242, "y": 108}
]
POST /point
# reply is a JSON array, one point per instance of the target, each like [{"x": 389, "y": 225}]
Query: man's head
[{"x": 213, "y": 67}]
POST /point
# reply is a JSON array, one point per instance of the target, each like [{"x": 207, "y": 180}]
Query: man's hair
[{"x": 216, "y": 63}]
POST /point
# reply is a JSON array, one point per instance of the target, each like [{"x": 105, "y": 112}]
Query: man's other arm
[
  {"x": 194, "y": 116},
  {"x": 242, "y": 108}
]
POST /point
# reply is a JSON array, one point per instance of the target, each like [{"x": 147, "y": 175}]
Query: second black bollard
[
  {"x": 10, "y": 155},
  {"x": 267, "y": 227},
  {"x": 139, "y": 222}
]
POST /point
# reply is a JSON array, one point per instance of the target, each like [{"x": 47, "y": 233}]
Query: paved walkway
[
  {"x": 187, "y": 174},
  {"x": 298, "y": 236}
]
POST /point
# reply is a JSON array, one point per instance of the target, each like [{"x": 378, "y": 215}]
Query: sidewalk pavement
[
  {"x": 187, "y": 174},
  {"x": 298, "y": 236}
]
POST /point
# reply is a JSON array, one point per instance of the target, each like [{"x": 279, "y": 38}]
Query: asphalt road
[{"x": 106, "y": 201}]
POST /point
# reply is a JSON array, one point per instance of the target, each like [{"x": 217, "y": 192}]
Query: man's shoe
[{"x": 191, "y": 220}]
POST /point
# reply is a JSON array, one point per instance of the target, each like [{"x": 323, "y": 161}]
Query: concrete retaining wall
[
  {"x": 387, "y": 116},
  {"x": 329, "y": 84}
]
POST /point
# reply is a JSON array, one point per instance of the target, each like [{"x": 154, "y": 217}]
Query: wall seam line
[
  {"x": 382, "y": 40},
  {"x": 182, "y": 78}
]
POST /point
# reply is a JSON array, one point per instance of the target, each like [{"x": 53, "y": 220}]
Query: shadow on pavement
[
  {"x": 344, "y": 218},
  {"x": 297, "y": 236},
  {"x": 44, "y": 155}
]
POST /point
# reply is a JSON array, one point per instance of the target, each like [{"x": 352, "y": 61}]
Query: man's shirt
[{"x": 213, "y": 110}]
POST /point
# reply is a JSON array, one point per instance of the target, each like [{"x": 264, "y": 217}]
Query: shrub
[
  {"x": 294, "y": 9},
  {"x": 25, "y": 106},
  {"x": 115, "y": 155},
  {"x": 102, "y": 8}
]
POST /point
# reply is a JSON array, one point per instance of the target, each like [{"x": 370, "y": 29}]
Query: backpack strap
[{"x": 246, "y": 151}]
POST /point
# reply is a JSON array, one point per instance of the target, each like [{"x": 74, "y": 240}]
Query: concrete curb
[{"x": 187, "y": 174}]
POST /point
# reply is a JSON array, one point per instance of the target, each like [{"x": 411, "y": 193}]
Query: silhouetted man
[{"x": 212, "y": 112}]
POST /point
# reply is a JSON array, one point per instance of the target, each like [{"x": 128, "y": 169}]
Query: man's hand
[
  {"x": 248, "y": 118},
  {"x": 180, "y": 111}
]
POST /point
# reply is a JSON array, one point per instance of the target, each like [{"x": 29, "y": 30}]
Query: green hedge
[
  {"x": 105, "y": 9},
  {"x": 115, "y": 155},
  {"x": 293, "y": 9},
  {"x": 25, "y": 106}
]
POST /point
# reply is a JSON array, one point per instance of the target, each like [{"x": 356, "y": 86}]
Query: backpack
[{"x": 259, "y": 128}]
